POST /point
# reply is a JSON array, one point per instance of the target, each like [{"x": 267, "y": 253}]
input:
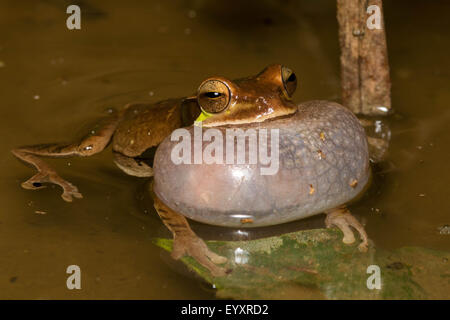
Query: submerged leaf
[{"x": 316, "y": 264}]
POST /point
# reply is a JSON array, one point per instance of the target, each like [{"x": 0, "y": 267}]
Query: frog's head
[{"x": 255, "y": 99}]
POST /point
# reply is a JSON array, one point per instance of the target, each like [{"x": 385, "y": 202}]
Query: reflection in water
[
  {"x": 382, "y": 129},
  {"x": 241, "y": 216},
  {"x": 241, "y": 256},
  {"x": 242, "y": 233},
  {"x": 239, "y": 173}
]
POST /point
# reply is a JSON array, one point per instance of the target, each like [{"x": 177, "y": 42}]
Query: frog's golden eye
[
  {"x": 213, "y": 96},
  {"x": 289, "y": 81}
]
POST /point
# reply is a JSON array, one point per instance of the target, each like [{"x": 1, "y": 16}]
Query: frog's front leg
[
  {"x": 87, "y": 147},
  {"x": 343, "y": 219},
  {"x": 185, "y": 241}
]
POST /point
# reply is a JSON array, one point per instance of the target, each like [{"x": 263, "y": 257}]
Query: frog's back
[
  {"x": 145, "y": 125},
  {"x": 323, "y": 162}
]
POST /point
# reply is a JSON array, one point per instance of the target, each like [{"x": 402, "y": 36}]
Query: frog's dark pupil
[
  {"x": 292, "y": 77},
  {"x": 213, "y": 94}
]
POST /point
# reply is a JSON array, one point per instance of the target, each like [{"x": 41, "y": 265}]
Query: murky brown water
[{"x": 55, "y": 82}]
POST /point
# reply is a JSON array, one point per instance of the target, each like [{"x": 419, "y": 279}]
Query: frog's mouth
[{"x": 204, "y": 118}]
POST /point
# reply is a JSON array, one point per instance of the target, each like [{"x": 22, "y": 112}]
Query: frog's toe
[
  {"x": 363, "y": 247},
  {"x": 209, "y": 260},
  {"x": 349, "y": 237},
  {"x": 69, "y": 190},
  {"x": 216, "y": 271},
  {"x": 78, "y": 195},
  {"x": 197, "y": 248},
  {"x": 32, "y": 185},
  {"x": 215, "y": 258},
  {"x": 69, "y": 195},
  {"x": 219, "y": 271},
  {"x": 35, "y": 182}
]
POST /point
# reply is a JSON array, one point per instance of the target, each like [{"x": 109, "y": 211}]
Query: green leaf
[{"x": 316, "y": 264}]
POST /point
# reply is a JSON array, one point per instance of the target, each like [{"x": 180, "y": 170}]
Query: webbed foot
[
  {"x": 186, "y": 242},
  {"x": 69, "y": 190},
  {"x": 196, "y": 248},
  {"x": 343, "y": 219}
]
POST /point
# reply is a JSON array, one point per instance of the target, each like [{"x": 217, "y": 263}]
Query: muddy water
[{"x": 55, "y": 83}]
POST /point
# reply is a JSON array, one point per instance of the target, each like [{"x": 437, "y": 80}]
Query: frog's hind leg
[
  {"x": 185, "y": 241},
  {"x": 88, "y": 146},
  {"x": 343, "y": 219}
]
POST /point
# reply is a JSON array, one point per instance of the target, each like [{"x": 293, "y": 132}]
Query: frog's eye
[
  {"x": 289, "y": 81},
  {"x": 213, "y": 96}
]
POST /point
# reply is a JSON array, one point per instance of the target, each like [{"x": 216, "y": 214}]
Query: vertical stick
[{"x": 365, "y": 77}]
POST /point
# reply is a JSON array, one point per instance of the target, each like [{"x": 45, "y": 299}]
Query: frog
[
  {"x": 323, "y": 141},
  {"x": 134, "y": 132},
  {"x": 323, "y": 165}
]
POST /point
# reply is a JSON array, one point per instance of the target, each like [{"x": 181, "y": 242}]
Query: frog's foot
[
  {"x": 36, "y": 181},
  {"x": 186, "y": 242},
  {"x": 343, "y": 219},
  {"x": 195, "y": 247}
]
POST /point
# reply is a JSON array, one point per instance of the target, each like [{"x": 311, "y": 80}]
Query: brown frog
[
  {"x": 323, "y": 163},
  {"x": 324, "y": 160}
]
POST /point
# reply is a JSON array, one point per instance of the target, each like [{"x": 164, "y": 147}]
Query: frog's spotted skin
[
  {"x": 324, "y": 163},
  {"x": 323, "y": 159}
]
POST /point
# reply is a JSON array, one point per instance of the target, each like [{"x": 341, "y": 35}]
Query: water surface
[{"x": 55, "y": 82}]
